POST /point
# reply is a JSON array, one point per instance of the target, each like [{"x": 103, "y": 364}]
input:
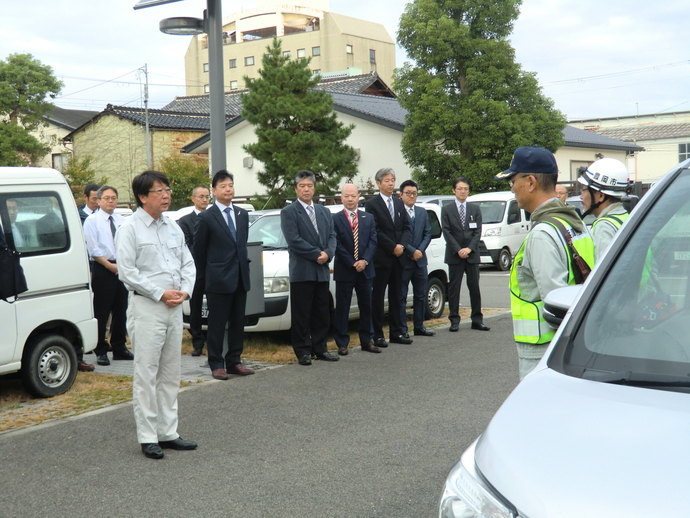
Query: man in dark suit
[
  {"x": 462, "y": 230},
  {"x": 355, "y": 231},
  {"x": 220, "y": 255},
  {"x": 90, "y": 201},
  {"x": 50, "y": 229},
  {"x": 393, "y": 235},
  {"x": 188, "y": 223},
  {"x": 414, "y": 261},
  {"x": 308, "y": 230}
]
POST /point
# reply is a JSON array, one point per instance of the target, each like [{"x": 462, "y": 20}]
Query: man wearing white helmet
[{"x": 603, "y": 185}]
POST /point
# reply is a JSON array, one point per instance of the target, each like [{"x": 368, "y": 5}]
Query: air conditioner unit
[{"x": 248, "y": 162}]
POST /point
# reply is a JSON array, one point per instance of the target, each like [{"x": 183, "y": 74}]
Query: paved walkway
[{"x": 194, "y": 368}]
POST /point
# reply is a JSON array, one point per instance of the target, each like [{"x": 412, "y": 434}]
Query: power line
[{"x": 615, "y": 74}]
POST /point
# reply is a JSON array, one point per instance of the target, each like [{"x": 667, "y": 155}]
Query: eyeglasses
[
  {"x": 512, "y": 181},
  {"x": 160, "y": 192},
  {"x": 408, "y": 193}
]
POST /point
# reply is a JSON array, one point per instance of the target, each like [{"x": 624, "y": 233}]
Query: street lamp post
[{"x": 212, "y": 24}]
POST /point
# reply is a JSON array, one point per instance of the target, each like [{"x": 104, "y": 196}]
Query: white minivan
[
  {"x": 504, "y": 227},
  {"x": 42, "y": 330}
]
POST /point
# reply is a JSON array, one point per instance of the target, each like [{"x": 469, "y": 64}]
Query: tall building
[{"x": 335, "y": 43}]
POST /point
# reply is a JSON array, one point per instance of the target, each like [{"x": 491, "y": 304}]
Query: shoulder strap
[{"x": 581, "y": 269}]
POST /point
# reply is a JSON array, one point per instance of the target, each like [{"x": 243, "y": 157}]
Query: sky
[{"x": 593, "y": 58}]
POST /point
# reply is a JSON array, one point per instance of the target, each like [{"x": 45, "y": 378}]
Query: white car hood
[
  {"x": 566, "y": 447},
  {"x": 276, "y": 263}
]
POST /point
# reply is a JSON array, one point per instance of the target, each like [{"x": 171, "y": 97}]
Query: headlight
[
  {"x": 466, "y": 496},
  {"x": 493, "y": 232},
  {"x": 276, "y": 284}
]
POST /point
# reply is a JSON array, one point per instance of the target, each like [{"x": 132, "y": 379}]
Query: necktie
[
  {"x": 231, "y": 225},
  {"x": 112, "y": 226},
  {"x": 312, "y": 217},
  {"x": 461, "y": 210},
  {"x": 355, "y": 236},
  {"x": 411, "y": 213},
  {"x": 390, "y": 208}
]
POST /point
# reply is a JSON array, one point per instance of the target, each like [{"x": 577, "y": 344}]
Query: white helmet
[{"x": 607, "y": 175}]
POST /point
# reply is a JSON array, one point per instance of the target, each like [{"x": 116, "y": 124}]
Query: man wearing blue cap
[{"x": 544, "y": 261}]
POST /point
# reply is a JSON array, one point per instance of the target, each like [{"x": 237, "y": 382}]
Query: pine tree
[
  {"x": 470, "y": 105},
  {"x": 295, "y": 126}
]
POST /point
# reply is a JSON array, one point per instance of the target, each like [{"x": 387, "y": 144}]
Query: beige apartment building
[{"x": 335, "y": 43}]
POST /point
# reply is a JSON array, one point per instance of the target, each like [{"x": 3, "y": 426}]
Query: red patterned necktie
[{"x": 355, "y": 235}]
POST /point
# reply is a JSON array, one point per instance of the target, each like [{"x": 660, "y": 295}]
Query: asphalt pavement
[{"x": 372, "y": 435}]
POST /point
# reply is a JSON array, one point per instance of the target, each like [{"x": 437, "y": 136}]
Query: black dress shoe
[
  {"x": 454, "y": 328},
  {"x": 196, "y": 352},
  {"x": 400, "y": 340},
  {"x": 480, "y": 327},
  {"x": 102, "y": 359},
  {"x": 405, "y": 334},
  {"x": 304, "y": 360},
  {"x": 342, "y": 351},
  {"x": 381, "y": 342},
  {"x": 124, "y": 355},
  {"x": 370, "y": 347},
  {"x": 327, "y": 357},
  {"x": 178, "y": 444},
  {"x": 152, "y": 450},
  {"x": 424, "y": 332}
]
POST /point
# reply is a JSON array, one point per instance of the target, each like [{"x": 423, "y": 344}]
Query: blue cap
[{"x": 530, "y": 160}]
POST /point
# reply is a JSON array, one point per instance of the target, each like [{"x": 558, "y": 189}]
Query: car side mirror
[{"x": 557, "y": 303}]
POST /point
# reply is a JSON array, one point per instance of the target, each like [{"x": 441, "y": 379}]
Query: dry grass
[{"x": 92, "y": 390}]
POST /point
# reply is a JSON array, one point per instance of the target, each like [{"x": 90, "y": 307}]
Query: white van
[
  {"x": 41, "y": 330},
  {"x": 504, "y": 227}
]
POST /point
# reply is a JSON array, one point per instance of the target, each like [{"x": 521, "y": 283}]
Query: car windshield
[
  {"x": 267, "y": 230},
  {"x": 637, "y": 326},
  {"x": 492, "y": 211}
]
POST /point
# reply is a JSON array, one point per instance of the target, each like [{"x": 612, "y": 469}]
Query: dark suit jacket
[
  {"x": 457, "y": 236},
  {"x": 304, "y": 244},
  {"x": 344, "y": 258},
  {"x": 389, "y": 233},
  {"x": 421, "y": 237},
  {"x": 219, "y": 259},
  {"x": 188, "y": 225},
  {"x": 82, "y": 215},
  {"x": 51, "y": 231}
]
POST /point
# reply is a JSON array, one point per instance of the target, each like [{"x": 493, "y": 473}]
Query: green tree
[
  {"x": 25, "y": 87},
  {"x": 295, "y": 126},
  {"x": 184, "y": 172},
  {"x": 470, "y": 105},
  {"x": 79, "y": 172}
]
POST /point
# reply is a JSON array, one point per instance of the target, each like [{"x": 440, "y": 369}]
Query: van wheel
[
  {"x": 435, "y": 298},
  {"x": 505, "y": 260},
  {"x": 50, "y": 366}
]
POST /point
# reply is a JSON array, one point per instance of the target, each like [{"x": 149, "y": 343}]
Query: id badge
[{"x": 473, "y": 224}]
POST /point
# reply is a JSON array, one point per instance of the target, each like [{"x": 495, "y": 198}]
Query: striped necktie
[
  {"x": 231, "y": 225},
  {"x": 355, "y": 235},
  {"x": 312, "y": 217},
  {"x": 461, "y": 210},
  {"x": 390, "y": 208},
  {"x": 112, "y": 226}
]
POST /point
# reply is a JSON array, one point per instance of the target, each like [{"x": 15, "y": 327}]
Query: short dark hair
[
  {"x": 142, "y": 183},
  {"x": 305, "y": 175},
  {"x": 104, "y": 188},
  {"x": 220, "y": 176},
  {"x": 546, "y": 182},
  {"x": 408, "y": 183},
  {"x": 90, "y": 187},
  {"x": 462, "y": 179}
]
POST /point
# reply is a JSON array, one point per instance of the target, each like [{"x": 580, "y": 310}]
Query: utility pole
[{"x": 149, "y": 162}]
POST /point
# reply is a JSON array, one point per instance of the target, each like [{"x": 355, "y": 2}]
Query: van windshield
[
  {"x": 267, "y": 230},
  {"x": 492, "y": 211},
  {"x": 637, "y": 326}
]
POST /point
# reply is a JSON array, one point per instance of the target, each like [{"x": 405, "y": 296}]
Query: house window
[
  {"x": 372, "y": 56},
  {"x": 233, "y": 85},
  {"x": 249, "y": 61},
  {"x": 60, "y": 161},
  {"x": 683, "y": 152},
  {"x": 205, "y": 67},
  {"x": 233, "y": 63},
  {"x": 348, "y": 49},
  {"x": 316, "y": 51},
  {"x": 301, "y": 53},
  {"x": 317, "y": 71},
  {"x": 286, "y": 54},
  {"x": 207, "y": 89}
]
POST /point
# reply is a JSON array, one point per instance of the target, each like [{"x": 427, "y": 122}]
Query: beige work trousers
[{"x": 155, "y": 331}]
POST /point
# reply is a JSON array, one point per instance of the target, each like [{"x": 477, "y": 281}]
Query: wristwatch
[{"x": 366, "y": 263}]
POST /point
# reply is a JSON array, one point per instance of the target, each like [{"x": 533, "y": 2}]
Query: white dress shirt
[
  {"x": 232, "y": 212},
  {"x": 99, "y": 236}
]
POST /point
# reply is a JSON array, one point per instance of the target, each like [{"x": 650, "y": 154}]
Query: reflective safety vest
[
  {"x": 616, "y": 220},
  {"x": 529, "y": 325}
]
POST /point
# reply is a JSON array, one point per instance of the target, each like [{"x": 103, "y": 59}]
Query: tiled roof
[
  {"x": 370, "y": 84},
  {"x": 162, "y": 119},
  {"x": 383, "y": 110},
  {"x": 647, "y": 131},
  {"x": 577, "y": 137}
]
